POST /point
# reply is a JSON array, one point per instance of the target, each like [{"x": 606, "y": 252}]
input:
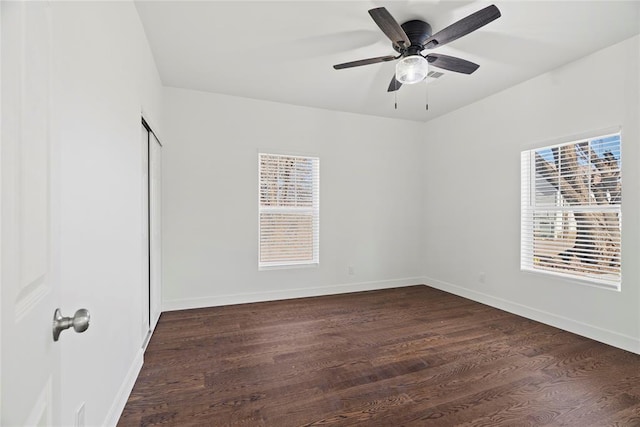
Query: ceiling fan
[{"x": 413, "y": 37}]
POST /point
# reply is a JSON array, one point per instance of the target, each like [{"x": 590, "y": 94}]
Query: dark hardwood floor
[{"x": 408, "y": 356}]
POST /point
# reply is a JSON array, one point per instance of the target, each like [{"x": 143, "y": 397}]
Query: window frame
[
  {"x": 313, "y": 211},
  {"x": 529, "y": 209}
]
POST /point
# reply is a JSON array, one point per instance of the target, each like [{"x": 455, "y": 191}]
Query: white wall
[
  {"x": 104, "y": 76},
  {"x": 472, "y": 189},
  {"x": 370, "y": 199}
]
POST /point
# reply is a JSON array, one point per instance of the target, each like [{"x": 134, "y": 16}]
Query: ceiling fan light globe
[{"x": 412, "y": 69}]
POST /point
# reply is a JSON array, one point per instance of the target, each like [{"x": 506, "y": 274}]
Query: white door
[{"x": 30, "y": 364}]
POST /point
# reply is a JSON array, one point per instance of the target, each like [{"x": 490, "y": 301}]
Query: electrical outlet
[
  {"x": 482, "y": 276},
  {"x": 352, "y": 270}
]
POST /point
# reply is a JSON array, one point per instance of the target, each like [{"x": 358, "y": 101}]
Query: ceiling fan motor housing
[{"x": 418, "y": 32}]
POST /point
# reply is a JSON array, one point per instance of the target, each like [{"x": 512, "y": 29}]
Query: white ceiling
[{"x": 283, "y": 51}]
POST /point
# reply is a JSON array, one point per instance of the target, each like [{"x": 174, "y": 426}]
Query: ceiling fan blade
[
  {"x": 394, "y": 85},
  {"x": 451, "y": 63},
  {"x": 365, "y": 62},
  {"x": 463, "y": 27},
  {"x": 390, "y": 26}
]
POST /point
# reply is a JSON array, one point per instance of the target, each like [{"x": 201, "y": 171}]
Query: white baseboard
[
  {"x": 243, "y": 298},
  {"x": 113, "y": 416},
  {"x": 615, "y": 339}
]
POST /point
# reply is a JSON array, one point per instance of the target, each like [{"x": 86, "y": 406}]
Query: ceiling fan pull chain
[
  {"x": 395, "y": 94},
  {"x": 426, "y": 94}
]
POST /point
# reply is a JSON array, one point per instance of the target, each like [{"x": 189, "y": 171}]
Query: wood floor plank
[{"x": 396, "y": 357}]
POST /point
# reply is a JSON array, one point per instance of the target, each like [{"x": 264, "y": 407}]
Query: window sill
[
  {"x": 289, "y": 266},
  {"x": 594, "y": 283}
]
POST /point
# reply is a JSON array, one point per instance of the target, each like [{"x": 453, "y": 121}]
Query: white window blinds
[
  {"x": 288, "y": 210},
  {"x": 571, "y": 197}
]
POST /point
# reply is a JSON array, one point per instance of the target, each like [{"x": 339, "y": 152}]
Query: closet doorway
[{"x": 152, "y": 227}]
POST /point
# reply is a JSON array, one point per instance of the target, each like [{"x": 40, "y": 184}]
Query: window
[
  {"x": 288, "y": 210},
  {"x": 571, "y": 198}
]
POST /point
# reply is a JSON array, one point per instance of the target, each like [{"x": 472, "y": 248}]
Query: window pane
[
  {"x": 286, "y": 181},
  {"x": 583, "y": 173},
  {"x": 286, "y": 236}
]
